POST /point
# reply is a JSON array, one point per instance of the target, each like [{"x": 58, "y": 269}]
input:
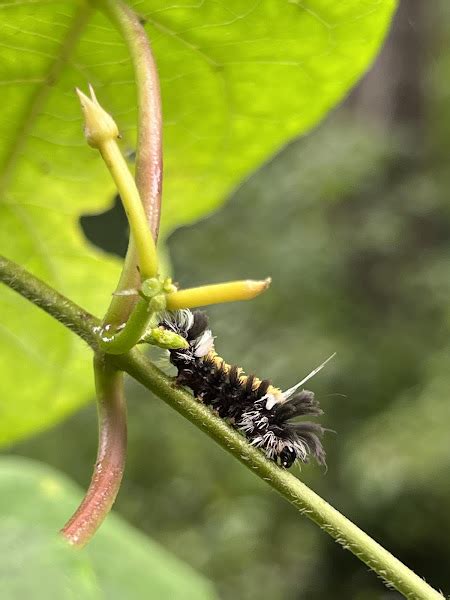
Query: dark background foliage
[{"x": 352, "y": 222}]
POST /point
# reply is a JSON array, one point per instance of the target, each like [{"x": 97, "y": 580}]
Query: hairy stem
[
  {"x": 49, "y": 300},
  {"x": 149, "y": 143},
  {"x": 110, "y": 463},
  {"x": 389, "y": 568}
]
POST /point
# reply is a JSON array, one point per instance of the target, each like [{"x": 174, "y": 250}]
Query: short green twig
[
  {"x": 205, "y": 295},
  {"x": 101, "y": 133},
  {"x": 389, "y": 568}
]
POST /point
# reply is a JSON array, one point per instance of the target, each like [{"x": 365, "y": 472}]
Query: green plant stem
[
  {"x": 140, "y": 233},
  {"x": 149, "y": 143},
  {"x": 390, "y": 569},
  {"x": 133, "y": 331},
  {"x": 205, "y": 295},
  {"x": 111, "y": 454},
  {"x": 49, "y": 300},
  {"x": 346, "y": 533}
]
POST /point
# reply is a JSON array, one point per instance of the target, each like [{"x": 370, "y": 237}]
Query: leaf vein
[{"x": 39, "y": 97}]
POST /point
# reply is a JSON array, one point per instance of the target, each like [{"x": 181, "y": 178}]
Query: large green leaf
[
  {"x": 34, "y": 563},
  {"x": 239, "y": 79}
]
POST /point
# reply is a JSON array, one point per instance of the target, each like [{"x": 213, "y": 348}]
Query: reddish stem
[
  {"x": 111, "y": 454},
  {"x": 149, "y": 144},
  {"x": 149, "y": 162}
]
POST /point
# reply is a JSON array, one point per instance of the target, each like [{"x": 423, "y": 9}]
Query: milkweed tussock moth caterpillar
[{"x": 260, "y": 411}]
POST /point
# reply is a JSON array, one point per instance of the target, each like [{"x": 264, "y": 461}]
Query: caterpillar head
[{"x": 287, "y": 457}]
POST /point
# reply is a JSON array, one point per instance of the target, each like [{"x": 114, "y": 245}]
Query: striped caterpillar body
[{"x": 261, "y": 412}]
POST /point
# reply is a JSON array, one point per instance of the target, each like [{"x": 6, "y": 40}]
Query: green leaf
[
  {"x": 239, "y": 79},
  {"x": 119, "y": 563},
  {"x": 36, "y": 564}
]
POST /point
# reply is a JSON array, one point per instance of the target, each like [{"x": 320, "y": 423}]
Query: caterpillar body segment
[{"x": 260, "y": 411}]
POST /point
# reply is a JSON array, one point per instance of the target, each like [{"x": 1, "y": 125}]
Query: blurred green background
[{"x": 353, "y": 224}]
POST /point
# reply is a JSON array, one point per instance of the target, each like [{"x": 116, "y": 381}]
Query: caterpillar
[{"x": 257, "y": 409}]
